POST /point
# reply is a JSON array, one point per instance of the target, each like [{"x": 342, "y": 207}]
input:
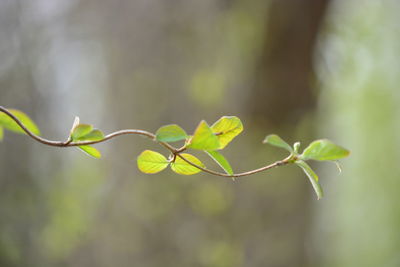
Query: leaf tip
[
  {"x": 296, "y": 147},
  {"x": 91, "y": 151},
  {"x": 275, "y": 140}
]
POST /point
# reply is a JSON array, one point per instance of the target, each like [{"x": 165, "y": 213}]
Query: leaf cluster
[
  {"x": 209, "y": 139},
  {"x": 86, "y": 132},
  {"x": 320, "y": 150}
]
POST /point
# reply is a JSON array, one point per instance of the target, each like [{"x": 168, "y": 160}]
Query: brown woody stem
[{"x": 173, "y": 150}]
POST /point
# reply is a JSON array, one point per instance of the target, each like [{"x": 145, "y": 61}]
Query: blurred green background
[{"x": 303, "y": 69}]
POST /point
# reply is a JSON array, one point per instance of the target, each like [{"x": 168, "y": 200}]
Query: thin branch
[
  {"x": 68, "y": 143},
  {"x": 235, "y": 175},
  {"x": 173, "y": 150}
]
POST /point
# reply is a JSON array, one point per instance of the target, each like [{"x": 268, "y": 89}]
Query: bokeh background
[{"x": 303, "y": 69}]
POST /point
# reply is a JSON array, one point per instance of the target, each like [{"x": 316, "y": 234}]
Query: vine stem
[{"x": 173, "y": 150}]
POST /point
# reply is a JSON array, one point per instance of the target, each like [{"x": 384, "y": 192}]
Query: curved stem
[
  {"x": 69, "y": 142},
  {"x": 236, "y": 175},
  {"x": 173, "y": 150},
  {"x": 34, "y": 136}
]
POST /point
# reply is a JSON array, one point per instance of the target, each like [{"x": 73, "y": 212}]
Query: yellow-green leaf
[
  {"x": 171, "y": 133},
  {"x": 275, "y": 140},
  {"x": 324, "y": 150},
  {"x": 91, "y": 151},
  {"x": 81, "y": 130},
  {"x": 221, "y": 161},
  {"x": 94, "y": 135},
  {"x": 227, "y": 128},
  {"x": 182, "y": 167},
  {"x": 11, "y": 125},
  {"x": 1, "y": 133},
  {"x": 203, "y": 138},
  {"x": 151, "y": 162},
  {"x": 312, "y": 176}
]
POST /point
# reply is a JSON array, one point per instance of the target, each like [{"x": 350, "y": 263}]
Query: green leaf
[
  {"x": 204, "y": 138},
  {"x": 221, "y": 160},
  {"x": 227, "y": 128},
  {"x": 275, "y": 140},
  {"x": 91, "y": 151},
  {"x": 151, "y": 162},
  {"x": 324, "y": 150},
  {"x": 11, "y": 125},
  {"x": 85, "y": 132},
  {"x": 81, "y": 130},
  {"x": 171, "y": 133},
  {"x": 182, "y": 167},
  {"x": 1, "y": 133},
  {"x": 312, "y": 176},
  {"x": 94, "y": 135}
]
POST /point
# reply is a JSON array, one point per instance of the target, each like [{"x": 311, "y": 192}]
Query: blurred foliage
[
  {"x": 359, "y": 74},
  {"x": 72, "y": 204},
  {"x": 143, "y": 64}
]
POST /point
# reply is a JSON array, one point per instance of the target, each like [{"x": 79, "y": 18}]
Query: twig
[{"x": 173, "y": 150}]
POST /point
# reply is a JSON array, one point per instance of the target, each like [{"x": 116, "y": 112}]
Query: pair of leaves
[
  {"x": 86, "y": 132},
  {"x": 321, "y": 150},
  {"x": 153, "y": 162},
  {"x": 206, "y": 138},
  {"x": 8, "y": 123},
  {"x": 218, "y": 136}
]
